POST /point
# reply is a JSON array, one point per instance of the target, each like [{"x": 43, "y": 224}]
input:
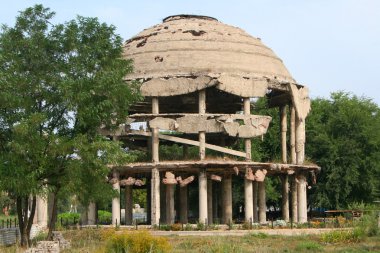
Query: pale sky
[{"x": 328, "y": 45}]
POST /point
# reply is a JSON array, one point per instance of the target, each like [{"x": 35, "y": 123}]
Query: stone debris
[
  {"x": 59, "y": 243},
  {"x": 216, "y": 178},
  {"x": 186, "y": 181},
  {"x": 45, "y": 247},
  {"x": 128, "y": 181},
  {"x": 169, "y": 178}
]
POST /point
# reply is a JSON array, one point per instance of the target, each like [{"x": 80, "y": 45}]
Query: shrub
[
  {"x": 201, "y": 226},
  {"x": 279, "y": 223},
  {"x": 104, "y": 217},
  {"x": 342, "y": 236},
  {"x": 68, "y": 218},
  {"x": 176, "y": 227},
  {"x": 136, "y": 242},
  {"x": 368, "y": 224},
  {"x": 188, "y": 227}
]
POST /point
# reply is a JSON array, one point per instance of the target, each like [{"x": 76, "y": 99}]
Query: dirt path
[{"x": 286, "y": 232}]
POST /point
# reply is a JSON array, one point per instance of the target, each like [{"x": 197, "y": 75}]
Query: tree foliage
[
  {"x": 59, "y": 83},
  {"x": 343, "y": 138}
]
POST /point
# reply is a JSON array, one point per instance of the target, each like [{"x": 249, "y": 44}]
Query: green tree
[
  {"x": 343, "y": 138},
  {"x": 58, "y": 85}
]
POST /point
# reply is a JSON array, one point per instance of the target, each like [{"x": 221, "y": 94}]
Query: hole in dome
[
  {"x": 195, "y": 33},
  {"x": 159, "y": 58},
  {"x": 141, "y": 43}
]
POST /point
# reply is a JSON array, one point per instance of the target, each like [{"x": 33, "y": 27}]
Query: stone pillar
[
  {"x": 215, "y": 201},
  {"x": 116, "y": 201},
  {"x": 285, "y": 198},
  {"x": 202, "y": 196},
  {"x": 148, "y": 200},
  {"x": 209, "y": 202},
  {"x": 300, "y": 140},
  {"x": 183, "y": 208},
  {"x": 155, "y": 181},
  {"x": 202, "y": 154},
  {"x": 284, "y": 128},
  {"x": 302, "y": 201},
  {"x": 300, "y": 153},
  {"x": 248, "y": 200},
  {"x": 202, "y": 134},
  {"x": 128, "y": 205},
  {"x": 262, "y": 203},
  {"x": 293, "y": 135},
  {"x": 248, "y": 188},
  {"x": 294, "y": 196},
  {"x": 255, "y": 209},
  {"x": 155, "y": 197},
  {"x": 42, "y": 211},
  {"x": 227, "y": 198},
  {"x": 91, "y": 214},
  {"x": 170, "y": 212}
]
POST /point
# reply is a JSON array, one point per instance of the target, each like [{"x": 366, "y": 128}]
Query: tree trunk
[
  {"x": 31, "y": 218},
  {"x": 53, "y": 217},
  {"x": 25, "y": 222}
]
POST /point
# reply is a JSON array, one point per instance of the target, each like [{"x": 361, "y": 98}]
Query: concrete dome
[{"x": 186, "y": 53}]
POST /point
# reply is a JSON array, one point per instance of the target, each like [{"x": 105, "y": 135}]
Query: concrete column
[
  {"x": 227, "y": 198},
  {"x": 91, "y": 214},
  {"x": 128, "y": 205},
  {"x": 284, "y": 128},
  {"x": 215, "y": 201},
  {"x": 148, "y": 200},
  {"x": 293, "y": 135},
  {"x": 116, "y": 201},
  {"x": 294, "y": 195},
  {"x": 248, "y": 188},
  {"x": 262, "y": 203},
  {"x": 183, "y": 208},
  {"x": 300, "y": 140},
  {"x": 42, "y": 211},
  {"x": 285, "y": 198},
  {"x": 202, "y": 196},
  {"x": 248, "y": 200},
  {"x": 209, "y": 202},
  {"x": 255, "y": 209},
  {"x": 155, "y": 181},
  {"x": 170, "y": 212},
  {"x": 163, "y": 206},
  {"x": 202, "y": 135},
  {"x": 302, "y": 199},
  {"x": 155, "y": 199}
]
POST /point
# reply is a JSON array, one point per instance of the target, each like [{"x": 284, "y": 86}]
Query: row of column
[
  {"x": 298, "y": 183},
  {"x": 208, "y": 208}
]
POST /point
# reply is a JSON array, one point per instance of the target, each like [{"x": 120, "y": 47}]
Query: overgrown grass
[
  {"x": 99, "y": 240},
  {"x": 309, "y": 246},
  {"x": 342, "y": 236}
]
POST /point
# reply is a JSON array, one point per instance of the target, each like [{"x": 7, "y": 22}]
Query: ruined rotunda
[{"x": 198, "y": 78}]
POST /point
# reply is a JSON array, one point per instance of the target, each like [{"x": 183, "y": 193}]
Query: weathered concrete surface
[{"x": 211, "y": 49}]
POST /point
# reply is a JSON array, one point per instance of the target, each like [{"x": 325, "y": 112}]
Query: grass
[{"x": 91, "y": 240}]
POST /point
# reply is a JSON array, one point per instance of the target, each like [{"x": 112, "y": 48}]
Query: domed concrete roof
[{"x": 186, "y": 53}]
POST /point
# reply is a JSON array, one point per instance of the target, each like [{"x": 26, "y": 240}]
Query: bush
[
  {"x": 176, "y": 227},
  {"x": 136, "y": 242},
  {"x": 68, "y": 218},
  {"x": 342, "y": 236},
  {"x": 367, "y": 225},
  {"x": 280, "y": 223},
  {"x": 104, "y": 217},
  {"x": 201, "y": 226}
]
